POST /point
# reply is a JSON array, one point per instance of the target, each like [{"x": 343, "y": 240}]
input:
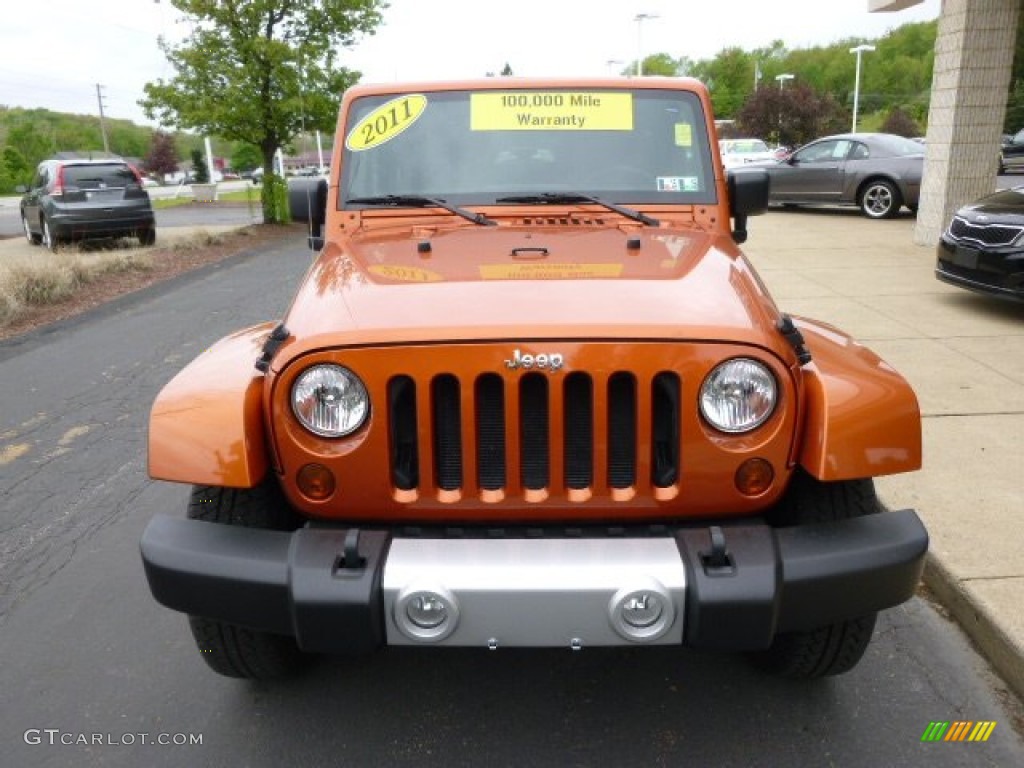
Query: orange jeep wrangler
[{"x": 531, "y": 393}]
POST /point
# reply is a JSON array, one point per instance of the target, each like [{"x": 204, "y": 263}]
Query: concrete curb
[{"x": 1000, "y": 649}]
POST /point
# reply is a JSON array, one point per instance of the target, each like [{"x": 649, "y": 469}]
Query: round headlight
[
  {"x": 330, "y": 401},
  {"x": 738, "y": 395}
]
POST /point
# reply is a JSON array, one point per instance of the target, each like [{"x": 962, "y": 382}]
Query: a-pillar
[{"x": 973, "y": 64}]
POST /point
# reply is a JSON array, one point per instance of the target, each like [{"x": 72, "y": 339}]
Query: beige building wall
[{"x": 973, "y": 64}]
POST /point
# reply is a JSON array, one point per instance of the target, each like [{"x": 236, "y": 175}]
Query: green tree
[
  {"x": 33, "y": 141},
  {"x": 245, "y": 157},
  {"x": 199, "y": 170},
  {"x": 730, "y": 78},
  {"x": 660, "y": 64},
  {"x": 260, "y": 72}
]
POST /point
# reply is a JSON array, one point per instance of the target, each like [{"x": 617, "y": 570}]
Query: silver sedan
[{"x": 878, "y": 172}]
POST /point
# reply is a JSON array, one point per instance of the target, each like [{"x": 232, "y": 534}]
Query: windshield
[
  {"x": 899, "y": 146},
  {"x": 643, "y": 146},
  {"x": 744, "y": 146}
]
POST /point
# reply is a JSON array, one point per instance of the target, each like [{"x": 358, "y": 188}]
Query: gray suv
[{"x": 84, "y": 199}]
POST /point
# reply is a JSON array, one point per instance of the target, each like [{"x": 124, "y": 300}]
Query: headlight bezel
[
  {"x": 763, "y": 415},
  {"x": 353, "y": 381}
]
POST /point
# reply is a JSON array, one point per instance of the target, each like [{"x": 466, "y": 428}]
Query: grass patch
[
  {"x": 197, "y": 242},
  {"x": 248, "y": 195},
  {"x": 52, "y": 278}
]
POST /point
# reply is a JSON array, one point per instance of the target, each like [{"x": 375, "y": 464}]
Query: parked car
[
  {"x": 257, "y": 176},
  {"x": 982, "y": 249},
  {"x": 1011, "y": 153},
  {"x": 737, "y": 152},
  {"x": 84, "y": 199},
  {"x": 878, "y": 172}
]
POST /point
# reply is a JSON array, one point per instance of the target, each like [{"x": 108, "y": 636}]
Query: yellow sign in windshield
[
  {"x": 551, "y": 111},
  {"x": 385, "y": 122}
]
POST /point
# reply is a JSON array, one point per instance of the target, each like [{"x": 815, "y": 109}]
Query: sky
[{"x": 54, "y": 52}]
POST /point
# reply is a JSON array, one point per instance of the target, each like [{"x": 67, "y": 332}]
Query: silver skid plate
[{"x": 497, "y": 593}]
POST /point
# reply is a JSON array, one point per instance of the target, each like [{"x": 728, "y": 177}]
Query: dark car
[
  {"x": 982, "y": 249},
  {"x": 1011, "y": 153},
  {"x": 878, "y": 172},
  {"x": 84, "y": 199}
]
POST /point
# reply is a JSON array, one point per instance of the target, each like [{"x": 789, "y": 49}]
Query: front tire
[
  {"x": 838, "y": 647},
  {"x": 147, "y": 236},
  {"x": 228, "y": 649},
  {"x": 880, "y": 200}
]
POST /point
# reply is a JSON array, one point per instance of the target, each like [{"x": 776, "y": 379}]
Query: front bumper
[
  {"x": 732, "y": 587},
  {"x": 992, "y": 271}
]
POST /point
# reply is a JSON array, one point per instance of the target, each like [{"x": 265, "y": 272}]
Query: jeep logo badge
[{"x": 542, "y": 362}]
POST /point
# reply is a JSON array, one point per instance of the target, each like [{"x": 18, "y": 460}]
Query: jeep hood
[{"x": 570, "y": 279}]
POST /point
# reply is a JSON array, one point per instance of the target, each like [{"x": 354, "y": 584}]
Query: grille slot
[
  {"x": 490, "y": 432},
  {"x": 578, "y": 411},
  {"x": 447, "y": 425},
  {"x": 405, "y": 468},
  {"x": 983, "y": 234},
  {"x": 621, "y": 430},
  {"x": 534, "y": 458},
  {"x": 512, "y": 445},
  {"x": 665, "y": 429}
]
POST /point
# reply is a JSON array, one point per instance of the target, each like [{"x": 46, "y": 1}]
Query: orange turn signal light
[
  {"x": 316, "y": 482},
  {"x": 754, "y": 477}
]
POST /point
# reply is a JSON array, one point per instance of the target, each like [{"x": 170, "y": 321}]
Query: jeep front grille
[
  {"x": 534, "y": 435},
  {"x": 983, "y": 234}
]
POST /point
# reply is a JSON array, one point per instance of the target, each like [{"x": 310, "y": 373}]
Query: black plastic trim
[{"x": 273, "y": 581}]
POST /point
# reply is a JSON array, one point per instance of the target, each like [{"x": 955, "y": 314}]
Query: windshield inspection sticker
[
  {"x": 678, "y": 184},
  {"x": 550, "y": 111},
  {"x": 385, "y": 122}
]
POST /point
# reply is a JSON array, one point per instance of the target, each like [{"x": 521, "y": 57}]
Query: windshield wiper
[
  {"x": 562, "y": 198},
  {"x": 421, "y": 201}
]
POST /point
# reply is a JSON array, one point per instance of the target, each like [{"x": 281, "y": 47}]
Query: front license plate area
[{"x": 965, "y": 257}]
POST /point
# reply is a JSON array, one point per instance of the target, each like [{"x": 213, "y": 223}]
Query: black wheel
[
  {"x": 228, "y": 649},
  {"x": 838, "y": 647},
  {"x": 49, "y": 240},
  {"x": 880, "y": 199},
  {"x": 147, "y": 236},
  {"x": 32, "y": 237}
]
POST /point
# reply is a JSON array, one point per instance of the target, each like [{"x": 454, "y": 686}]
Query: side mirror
[
  {"x": 748, "y": 196},
  {"x": 307, "y": 199}
]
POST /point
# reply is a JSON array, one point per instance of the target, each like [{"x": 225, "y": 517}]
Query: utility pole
[{"x": 103, "y": 123}]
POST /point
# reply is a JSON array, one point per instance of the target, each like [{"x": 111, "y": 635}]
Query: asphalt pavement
[{"x": 89, "y": 655}]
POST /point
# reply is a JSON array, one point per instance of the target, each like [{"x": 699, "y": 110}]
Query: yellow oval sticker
[
  {"x": 385, "y": 122},
  {"x": 405, "y": 274}
]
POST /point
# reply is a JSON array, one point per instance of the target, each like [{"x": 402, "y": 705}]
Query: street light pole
[
  {"x": 856, "y": 81},
  {"x": 639, "y": 19},
  {"x": 783, "y": 78}
]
